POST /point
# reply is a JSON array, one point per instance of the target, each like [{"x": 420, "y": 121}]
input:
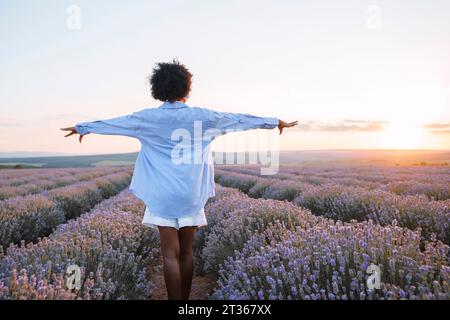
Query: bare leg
[
  {"x": 170, "y": 249},
  {"x": 186, "y": 238}
]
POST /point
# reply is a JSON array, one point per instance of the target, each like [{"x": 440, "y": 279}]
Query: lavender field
[{"x": 305, "y": 233}]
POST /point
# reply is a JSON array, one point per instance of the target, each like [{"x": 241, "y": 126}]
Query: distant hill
[
  {"x": 367, "y": 157},
  {"x": 26, "y": 154},
  {"x": 306, "y": 158},
  {"x": 72, "y": 161},
  {"x": 355, "y": 157}
]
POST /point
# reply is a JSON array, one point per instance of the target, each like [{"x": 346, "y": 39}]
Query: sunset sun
[{"x": 402, "y": 135}]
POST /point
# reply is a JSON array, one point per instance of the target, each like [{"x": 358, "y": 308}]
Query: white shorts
[{"x": 197, "y": 220}]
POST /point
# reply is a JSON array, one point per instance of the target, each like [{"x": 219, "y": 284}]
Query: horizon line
[{"x": 59, "y": 154}]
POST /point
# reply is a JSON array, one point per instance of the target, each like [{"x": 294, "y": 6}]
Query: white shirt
[{"x": 174, "y": 170}]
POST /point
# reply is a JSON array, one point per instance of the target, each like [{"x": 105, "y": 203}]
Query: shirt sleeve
[
  {"x": 241, "y": 121},
  {"x": 127, "y": 125}
]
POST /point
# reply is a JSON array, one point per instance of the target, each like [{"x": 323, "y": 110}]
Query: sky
[{"x": 355, "y": 74}]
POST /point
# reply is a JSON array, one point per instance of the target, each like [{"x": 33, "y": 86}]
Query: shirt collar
[{"x": 173, "y": 105}]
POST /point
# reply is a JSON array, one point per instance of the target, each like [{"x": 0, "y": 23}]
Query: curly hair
[{"x": 170, "y": 81}]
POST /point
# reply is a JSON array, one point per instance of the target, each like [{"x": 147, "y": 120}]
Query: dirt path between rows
[{"x": 202, "y": 285}]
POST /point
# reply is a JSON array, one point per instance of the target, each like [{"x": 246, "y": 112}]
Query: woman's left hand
[{"x": 282, "y": 125}]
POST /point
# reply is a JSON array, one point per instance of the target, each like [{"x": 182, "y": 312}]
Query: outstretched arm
[
  {"x": 128, "y": 125},
  {"x": 228, "y": 121}
]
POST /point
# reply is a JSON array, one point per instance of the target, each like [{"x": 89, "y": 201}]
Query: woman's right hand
[{"x": 72, "y": 131}]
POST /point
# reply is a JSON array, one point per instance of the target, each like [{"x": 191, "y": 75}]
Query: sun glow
[{"x": 401, "y": 135}]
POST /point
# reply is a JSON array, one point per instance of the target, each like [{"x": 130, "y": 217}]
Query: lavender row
[
  {"x": 345, "y": 203},
  {"x": 15, "y": 177},
  {"x": 233, "y": 218},
  {"x": 431, "y": 182},
  {"x": 29, "y": 217},
  {"x": 110, "y": 245},
  {"x": 378, "y": 174},
  {"x": 330, "y": 261},
  {"x": 33, "y": 183},
  {"x": 416, "y": 212},
  {"x": 260, "y": 254}
]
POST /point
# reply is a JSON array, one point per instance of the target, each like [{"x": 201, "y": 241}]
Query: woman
[{"x": 174, "y": 173}]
